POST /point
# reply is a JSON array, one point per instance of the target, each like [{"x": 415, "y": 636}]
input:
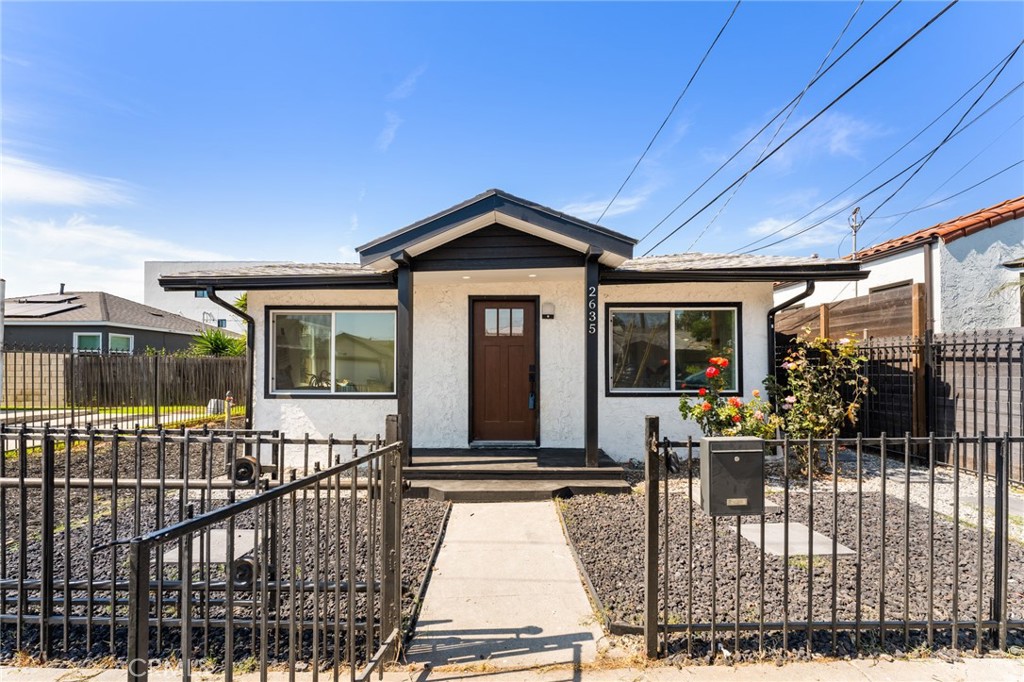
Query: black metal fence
[
  {"x": 63, "y": 388},
  {"x": 912, "y": 556},
  {"x": 69, "y": 498},
  {"x": 965, "y": 383}
]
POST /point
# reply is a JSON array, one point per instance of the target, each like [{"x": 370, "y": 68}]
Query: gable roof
[
  {"x": 954, "y": 229},
  {"x": 99, "y": 307},
  {"x": 497, "y": 206}
]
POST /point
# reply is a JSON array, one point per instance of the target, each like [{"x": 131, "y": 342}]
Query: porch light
[{"x": 547, "y": 311}]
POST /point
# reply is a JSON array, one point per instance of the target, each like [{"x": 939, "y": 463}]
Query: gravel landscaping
[
  {"x": 79, "y": 529},
  {"x": 607, "y": 532}
]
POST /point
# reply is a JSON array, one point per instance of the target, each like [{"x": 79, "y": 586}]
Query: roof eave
[
  {"x": 732, "y": 275},
  {"x": 248, "y": 282}
]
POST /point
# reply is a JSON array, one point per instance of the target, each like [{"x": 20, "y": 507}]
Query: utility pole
[{"x": 855, "y": 224}]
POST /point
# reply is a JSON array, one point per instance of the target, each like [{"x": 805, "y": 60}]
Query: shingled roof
[
  {"x": 954, "y": 229},
  {"x": 98, "y": 307}
]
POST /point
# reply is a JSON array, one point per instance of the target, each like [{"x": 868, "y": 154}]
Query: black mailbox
[{"x": 732, "y": 476}]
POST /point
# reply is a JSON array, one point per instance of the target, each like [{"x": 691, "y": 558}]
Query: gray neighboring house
[{"x": 93, "y": 322}]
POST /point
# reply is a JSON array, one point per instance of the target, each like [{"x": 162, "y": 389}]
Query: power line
[
  {"x": 953, "y": 130},
  {"x": 891, "y": 156},
  {"x": 941, "y": 201},
  {"x": 814, "y": 118},
  {"x": 774, "y": 118},
  {"x": 671, "y": 111},
  {"x": 782, "y": 125},
  {"x": 872, "y": 191}
]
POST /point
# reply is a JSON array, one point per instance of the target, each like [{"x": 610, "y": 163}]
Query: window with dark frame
[
  {"x": 654, "y": 349},
  {"x": 336, "y": 352}
]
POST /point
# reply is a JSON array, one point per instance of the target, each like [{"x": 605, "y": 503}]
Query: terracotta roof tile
[{"x": 952, "y": 230}]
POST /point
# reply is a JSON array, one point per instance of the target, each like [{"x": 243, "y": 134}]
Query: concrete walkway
[{"x": 505, "y": 590}]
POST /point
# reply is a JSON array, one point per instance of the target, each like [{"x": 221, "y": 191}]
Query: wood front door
[{"x": 505, "y": 400}]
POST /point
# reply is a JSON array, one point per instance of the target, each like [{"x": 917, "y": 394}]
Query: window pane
[
  {"x": 364, "y": 351},
  {"x": 491, "y": 321},
  {"x": 700, "y": 335},
  {"x": 640, "y": 350},
  {"x": 504, "y": 322},
  {"x": 120, "y": 343},
  {"x": 88, "y": 342},
  {"x": 517, "y": 322},
  {"x": 302, "y": 352}
]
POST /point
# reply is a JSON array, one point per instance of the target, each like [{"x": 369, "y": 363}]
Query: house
[
  {"x": 501, "y": 322},
  {"x": 193, "y": 304},
  {"x": 93, "y": 322},
  {"x": 958, "y": 262}
]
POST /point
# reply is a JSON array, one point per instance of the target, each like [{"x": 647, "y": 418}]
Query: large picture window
[
  {"x": 333, "y": 352},
  {"x": 666, "y": 349}
]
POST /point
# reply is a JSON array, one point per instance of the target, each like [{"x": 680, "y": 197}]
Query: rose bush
[{"x": 717, "y": 415}]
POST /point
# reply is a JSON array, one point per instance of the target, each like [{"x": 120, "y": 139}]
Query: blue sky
[{"x": 297, "y": 131}]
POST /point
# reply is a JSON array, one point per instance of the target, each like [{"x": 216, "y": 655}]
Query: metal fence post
[
  {"x": 46, "y": 542},
  {"x": 391, "y": 578},
  {"x": 138, "y": 611},
  {"x": 1000, "y": 566},
  {"x": 156, "y": 390},
  {"x": 651, "y": 466}
]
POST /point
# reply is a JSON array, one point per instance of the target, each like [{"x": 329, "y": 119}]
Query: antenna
[{"x": 855, "y": 225}]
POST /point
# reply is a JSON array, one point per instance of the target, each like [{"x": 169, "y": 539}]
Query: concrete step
[
  {"x": 512, "y": 490},
  {"x": 605, "y": 473}
]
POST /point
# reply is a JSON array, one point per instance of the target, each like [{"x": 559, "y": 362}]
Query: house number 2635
[{"x": 591, "y": 310}]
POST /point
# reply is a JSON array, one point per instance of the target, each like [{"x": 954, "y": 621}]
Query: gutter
[
  {"x": 808, "y": 290},
  {"x": 250, "y": 347}
]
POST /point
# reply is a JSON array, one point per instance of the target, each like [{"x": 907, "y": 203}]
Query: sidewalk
[
  {"x": 505, "y": 590},
  {"x": 967, "y": 670}
]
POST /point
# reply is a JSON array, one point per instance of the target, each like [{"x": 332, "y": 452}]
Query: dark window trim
[
  {"x": 892, "y": 285},
  {"x": 302, "y": 395},
  {"x": 469, "y": 369},
  {"x": 738, "y": 360}
]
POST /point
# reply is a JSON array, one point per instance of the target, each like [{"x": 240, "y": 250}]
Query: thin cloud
[
  {"x": 87, "y": 255},
  {"x": 26, "y": 182},
  {"x": 348, "y": 254},
  {"x": 387, "y": 135},
  {"x": 408, "y": 85},
  {"x": 591, "y": 210}
]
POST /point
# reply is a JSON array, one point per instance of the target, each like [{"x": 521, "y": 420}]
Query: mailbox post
[{"x": 732, "y": 476}]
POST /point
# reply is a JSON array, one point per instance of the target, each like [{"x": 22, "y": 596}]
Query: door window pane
[
  {"x": 517, "y": 322},
  {"x": 302, "y": 352},
  {"x": 491, "y": 321},
  {"x": 699, "y": 336},
  {"x": 504, "y": 322},
  {"x": 640, "y": 350},
  {"x": 364, "y": 351}
]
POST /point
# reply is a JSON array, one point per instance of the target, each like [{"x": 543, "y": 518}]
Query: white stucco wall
[
  {"x": 318, "y": 417},
  {"x": 185, "y": 303},
  {"x": 900, "y": 267},
  {"x": 976, "y": 291},
  {"x": 441, "y": 362},
  {"x": 622, "y": 417}
]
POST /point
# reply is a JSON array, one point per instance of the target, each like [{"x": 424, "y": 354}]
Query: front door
[{"x": 505, "y": 400}]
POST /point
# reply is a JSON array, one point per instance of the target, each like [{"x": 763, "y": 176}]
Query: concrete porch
[{"x": 510, "y": 475}]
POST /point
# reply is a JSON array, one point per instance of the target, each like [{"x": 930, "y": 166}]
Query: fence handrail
[
  {"x": 199, "y": 523},
  {"x": 891, "y": 439},
  {"x": 154, "y": 435}
]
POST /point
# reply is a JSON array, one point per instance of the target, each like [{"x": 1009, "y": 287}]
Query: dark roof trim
[
  {"x": 733, "y": 275},
  {"x": 502, "y": 202},
  {"x": 250, "y": 282}
]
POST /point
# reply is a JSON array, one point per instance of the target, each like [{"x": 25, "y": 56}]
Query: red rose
[
  {"x": 736, "y": 418},
  {"x": 735, "y": 402},
  {"x": 724, "y": 363},
  {"x": 711, "y": 372},
  {"x": 706, "y": 407},
  {"x": 702, "y": 392}
]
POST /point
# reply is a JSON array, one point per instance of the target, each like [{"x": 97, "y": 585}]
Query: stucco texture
[{"x": 977, "y": 292}]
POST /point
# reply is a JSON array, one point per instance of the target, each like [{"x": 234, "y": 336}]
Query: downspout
[
  {"x": 250, "y": 345},
  {"x": 771, "y": 319}
]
